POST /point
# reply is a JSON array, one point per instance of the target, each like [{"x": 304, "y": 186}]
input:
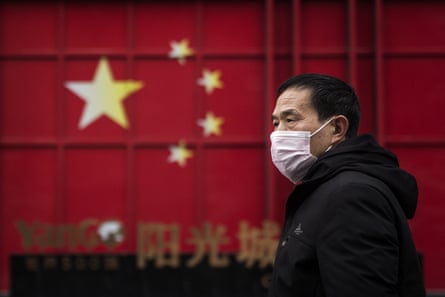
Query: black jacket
[{"x": 346, "y": 232}]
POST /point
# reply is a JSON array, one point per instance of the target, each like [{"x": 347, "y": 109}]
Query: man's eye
[
  {"x": 290, "y": 120},
  {"x": 275, "y": 124}
]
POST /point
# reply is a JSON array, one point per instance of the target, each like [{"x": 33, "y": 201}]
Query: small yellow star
[
  {"x": 103, "y": 96},
  {"x": 211, "y": 124},
  {"x": 179, "y": 154},
  {"x": 180, "y": 50},
  {"x": 210, "y": 80}
]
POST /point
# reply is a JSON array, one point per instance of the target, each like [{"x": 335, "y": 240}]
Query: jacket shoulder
[{"x": 352, "y": 185}]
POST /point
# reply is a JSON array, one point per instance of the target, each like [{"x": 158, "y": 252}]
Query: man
[{"x": 346, "y": 232}]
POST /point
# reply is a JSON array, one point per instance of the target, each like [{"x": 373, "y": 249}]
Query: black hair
[{"x": 330, "y": 96}]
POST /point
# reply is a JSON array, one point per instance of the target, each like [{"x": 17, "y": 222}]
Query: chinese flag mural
[
  {"x": 134, "y": 135},
  {"x": 140, "y": 130}
]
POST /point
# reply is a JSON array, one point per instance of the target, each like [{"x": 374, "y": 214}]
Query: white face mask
[{"x": 291, "y": 152}]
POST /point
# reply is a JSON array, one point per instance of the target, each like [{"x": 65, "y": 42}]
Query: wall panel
[
  {"x": 234, "y": 188},
  {"x": 165, "y": 106},
  {"x": 31, "y": 109},
  {"x": 95, "y": 25},
  {"x": 150, "y": 18},
  {"x": 318, "y": 36},
  {"x": 240, "y": 101},
  {"x": 414, "y": 101},
  {"x": 414, "y": 26},
  {"x": 227, "y": 28},
  {"x": 165, "y": 193},
  {"x": 20, "y": 24},
  {"x": 28, "y": 197}
]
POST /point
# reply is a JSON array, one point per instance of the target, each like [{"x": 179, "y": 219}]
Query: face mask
[{"x": 291, "y": 152}]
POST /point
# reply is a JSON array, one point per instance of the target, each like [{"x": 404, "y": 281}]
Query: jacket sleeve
[{"x": 357, "y": 247}]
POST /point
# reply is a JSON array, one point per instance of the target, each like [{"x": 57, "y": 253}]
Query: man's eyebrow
[
  {"x": 285, "y": 113},
  {"x": 290, "y": 111}
]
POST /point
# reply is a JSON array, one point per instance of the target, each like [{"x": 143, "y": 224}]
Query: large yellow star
[
  {"x": 211, "y": 124},
  {"x": 103, "y": 96},
  {"x": 179, "y": 154},
  {"x": 180, "y": 50},
  {"x": 210, "y": 80}
]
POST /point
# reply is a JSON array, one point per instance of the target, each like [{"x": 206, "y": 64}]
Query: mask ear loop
[{"x": 322, "y": 126}]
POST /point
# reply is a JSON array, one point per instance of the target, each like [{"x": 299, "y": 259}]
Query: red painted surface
[{"x": 53, "y": 173}]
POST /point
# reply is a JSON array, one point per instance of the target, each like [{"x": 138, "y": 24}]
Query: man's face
[{"x": 294, "y": 112}]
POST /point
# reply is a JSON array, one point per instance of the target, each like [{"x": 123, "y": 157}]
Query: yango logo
[{"x": 89, "y": 233}]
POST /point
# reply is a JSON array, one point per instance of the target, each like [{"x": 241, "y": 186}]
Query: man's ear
[{"x": 341, "y": 125}]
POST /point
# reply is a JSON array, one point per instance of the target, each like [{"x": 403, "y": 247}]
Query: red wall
[{"x": 54, "y": 173}]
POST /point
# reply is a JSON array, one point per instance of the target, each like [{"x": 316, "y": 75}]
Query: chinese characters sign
[{"x": 158, "y": 243}]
